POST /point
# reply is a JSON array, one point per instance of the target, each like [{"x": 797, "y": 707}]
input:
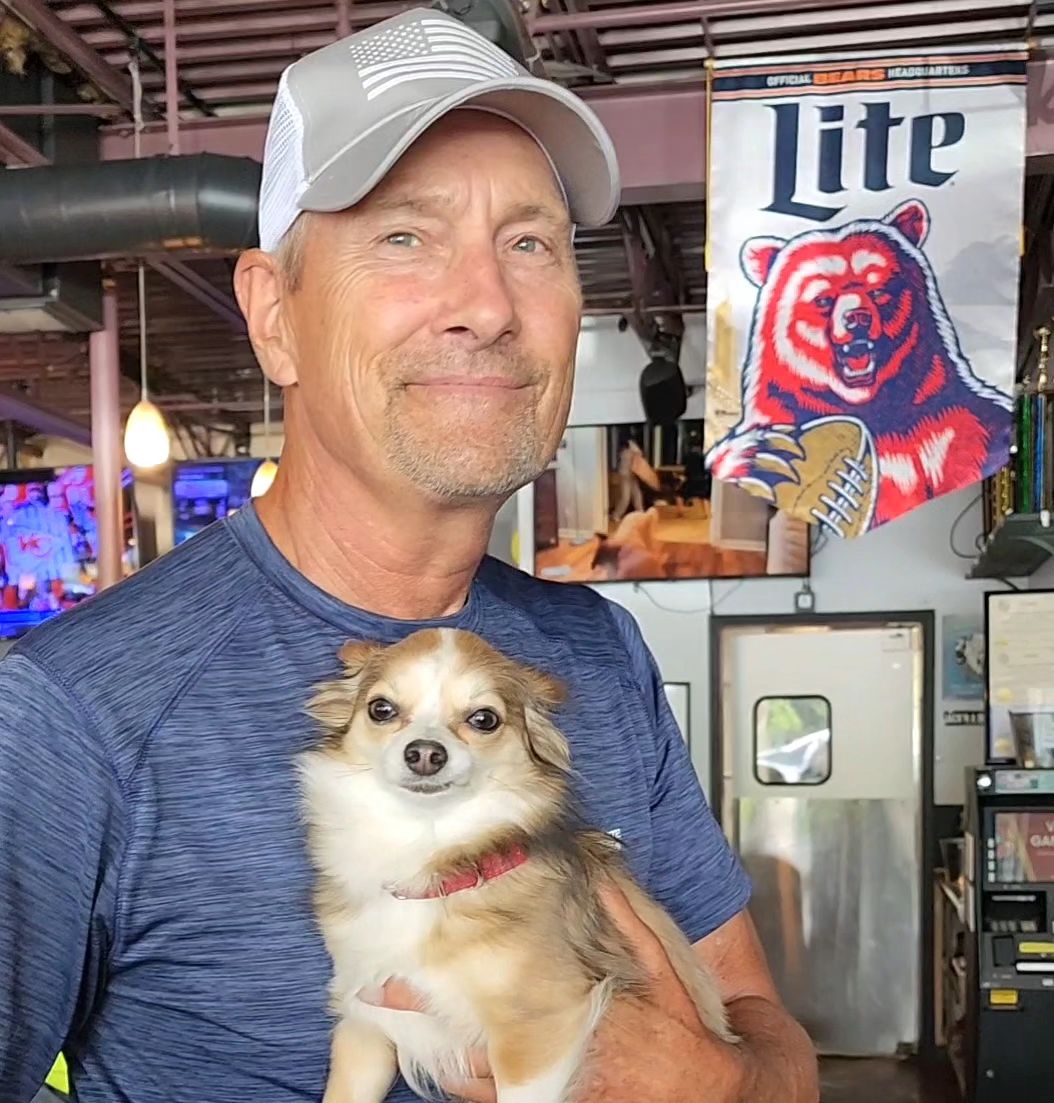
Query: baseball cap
[{"x": 344, "y": 115}]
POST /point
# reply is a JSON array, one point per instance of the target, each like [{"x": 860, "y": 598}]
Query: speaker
[{"x": 663, "y": 393}]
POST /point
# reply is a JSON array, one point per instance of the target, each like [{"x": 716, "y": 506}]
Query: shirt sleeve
[
  {"x": 694, "y": 872},
  {"x": 60, "y": 827}
]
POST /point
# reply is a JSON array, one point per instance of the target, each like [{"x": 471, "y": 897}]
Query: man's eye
[
  {"x": 403, "y": 240},
  {"x": 529, "y": 245}
]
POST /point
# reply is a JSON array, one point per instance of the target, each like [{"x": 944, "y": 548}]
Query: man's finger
[
  {"x": 648, "y": 948},
  {"x": 667, "y": 989},
  {"x": 396, "y": 995}
]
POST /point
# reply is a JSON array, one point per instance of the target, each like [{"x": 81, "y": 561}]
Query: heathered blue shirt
[{"x": 155, "y": 892}]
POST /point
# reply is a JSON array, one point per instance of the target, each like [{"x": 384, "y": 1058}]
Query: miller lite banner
[{"x": 864, "y": 246}]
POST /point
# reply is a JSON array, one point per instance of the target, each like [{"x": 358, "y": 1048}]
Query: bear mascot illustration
[{"x": 857, "y": 402}]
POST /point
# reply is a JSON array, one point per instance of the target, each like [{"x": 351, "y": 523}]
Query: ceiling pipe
[{"x": 128, "y": 208}]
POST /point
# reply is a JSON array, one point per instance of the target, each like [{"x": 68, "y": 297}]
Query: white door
[{"x": 821, "y": 791}]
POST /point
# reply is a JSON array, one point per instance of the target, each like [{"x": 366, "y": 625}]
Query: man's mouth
[
  {"x": 856, "y": 362},
  {"x": 468, "y": 386}
]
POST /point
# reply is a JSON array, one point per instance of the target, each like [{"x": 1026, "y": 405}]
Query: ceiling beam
[
  {"x": 198, "y": 287},
  {"x": 16, "y": 151},
  {"x": 659, "y": 134},
  {"x": 13, "y": 407},
  {"x": 58, "y": 33}
]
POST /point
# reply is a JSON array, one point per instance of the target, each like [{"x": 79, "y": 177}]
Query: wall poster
[
  {"x": 1020, "y": 676},
  {"x": 865, "y": 219}
]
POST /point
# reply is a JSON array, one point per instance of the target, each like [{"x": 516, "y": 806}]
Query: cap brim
[{"x": 577, "y": 144}]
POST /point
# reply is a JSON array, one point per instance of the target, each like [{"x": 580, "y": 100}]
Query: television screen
[
  {"x": 1024, "y": 847},
  {"x": 49, "y": 543},
  {"x": 634, "y": 502},
  {"x": 204, "y": 491}
]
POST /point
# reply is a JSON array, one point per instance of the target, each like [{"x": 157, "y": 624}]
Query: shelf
[
  {"x": 954, "y": 899},
  {"x": 1021, "y": 544}
]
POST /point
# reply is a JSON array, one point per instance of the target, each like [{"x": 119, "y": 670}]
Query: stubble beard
[{"x": 444, "y": 461}]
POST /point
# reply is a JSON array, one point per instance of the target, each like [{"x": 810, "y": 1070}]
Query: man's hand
[
  {"x": 656, "y": 1048},
  {"x": 653, "y": 1048}
]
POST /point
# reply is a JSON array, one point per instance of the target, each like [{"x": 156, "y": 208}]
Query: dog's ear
[
  {"x": 334, "y": 703},
  {"x": 544, "y": 692},
  {"x": 355, "y": 654},
  {"x": 545, "y": 742}
]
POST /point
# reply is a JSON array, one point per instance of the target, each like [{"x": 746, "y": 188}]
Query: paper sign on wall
[{"x": 864, "y": 251}]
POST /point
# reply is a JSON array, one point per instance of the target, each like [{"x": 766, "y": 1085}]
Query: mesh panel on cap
[{"x": 283, "y": 180}]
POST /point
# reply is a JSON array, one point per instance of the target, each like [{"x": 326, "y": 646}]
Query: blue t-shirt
[{"x": 155, "y": 893}]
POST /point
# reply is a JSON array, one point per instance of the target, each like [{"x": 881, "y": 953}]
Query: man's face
[{"x": 435, "y": 325}]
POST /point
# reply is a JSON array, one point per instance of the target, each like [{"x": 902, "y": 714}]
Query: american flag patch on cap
[{"x": 432, "y": 49}]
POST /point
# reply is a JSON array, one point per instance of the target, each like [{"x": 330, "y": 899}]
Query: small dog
[{"x": 439, "y": 825}]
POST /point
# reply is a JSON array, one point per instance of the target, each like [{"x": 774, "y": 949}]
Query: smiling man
[{"x": 417, "y": 300}]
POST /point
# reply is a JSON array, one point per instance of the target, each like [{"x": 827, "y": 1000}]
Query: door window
[{"x": 792, "y": 740}]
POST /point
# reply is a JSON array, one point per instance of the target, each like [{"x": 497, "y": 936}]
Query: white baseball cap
[{"x": 346, "y": 113}]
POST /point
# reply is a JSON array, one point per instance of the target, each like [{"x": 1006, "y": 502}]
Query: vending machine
[{"x": 1009, "y": 901}]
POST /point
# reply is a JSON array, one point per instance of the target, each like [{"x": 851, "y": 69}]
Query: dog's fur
[{"x": 526, "y": 963}]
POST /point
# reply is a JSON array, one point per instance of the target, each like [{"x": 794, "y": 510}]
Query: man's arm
[
  {"x": 60, "y": 823},
  {"x": 780, "y": 1058}
]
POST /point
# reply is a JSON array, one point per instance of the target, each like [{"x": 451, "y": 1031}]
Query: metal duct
[{"x": 128, "y": 208}]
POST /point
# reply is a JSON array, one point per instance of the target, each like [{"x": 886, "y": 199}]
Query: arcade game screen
[
  {"x": 204, "y": 491},
  {"x": 49, "y": 543},
  {"x": 1024, "y": 847}
]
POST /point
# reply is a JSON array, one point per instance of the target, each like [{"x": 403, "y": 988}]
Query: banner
[{"x": 864, "y": 247}]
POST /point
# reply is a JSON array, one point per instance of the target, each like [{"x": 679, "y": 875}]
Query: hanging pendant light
[
  {"x": 146, "y": 442},
  {"x": 267, "y": 470}
]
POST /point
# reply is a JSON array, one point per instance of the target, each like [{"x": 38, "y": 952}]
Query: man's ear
[{"x": 263, "y": 296}]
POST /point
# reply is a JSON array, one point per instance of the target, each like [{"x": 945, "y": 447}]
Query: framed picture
[{"x": 1019, "y": 677}]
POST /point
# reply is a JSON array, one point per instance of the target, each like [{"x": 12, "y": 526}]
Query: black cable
[{"x": 958, "y": 521}]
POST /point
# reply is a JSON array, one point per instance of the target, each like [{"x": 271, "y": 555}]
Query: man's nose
[{"x": 479, "y": 307}]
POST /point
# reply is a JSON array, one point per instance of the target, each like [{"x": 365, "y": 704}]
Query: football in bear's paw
[{"x": 837, "y": 476}]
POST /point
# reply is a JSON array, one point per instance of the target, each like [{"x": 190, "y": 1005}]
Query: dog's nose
[
  {"x": 857, "y": 319},
  {"x": 425, "y": 757}
]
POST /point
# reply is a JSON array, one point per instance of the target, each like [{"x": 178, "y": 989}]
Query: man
[{"x": 155, "y": 913}]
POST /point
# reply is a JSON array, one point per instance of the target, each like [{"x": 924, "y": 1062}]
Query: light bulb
[
  {"x": 146, "y": 441},
  {"x": 263, "y": 478}
]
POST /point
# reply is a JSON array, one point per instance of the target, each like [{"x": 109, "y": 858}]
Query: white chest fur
[{"x": 365, "y": 839}]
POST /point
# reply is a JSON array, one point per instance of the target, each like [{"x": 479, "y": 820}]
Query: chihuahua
[{"x": 440, "y": 826}]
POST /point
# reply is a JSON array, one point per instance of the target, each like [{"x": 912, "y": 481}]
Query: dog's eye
[
  {"x": 824, "y": 302},
  {"x": 881, "y": 297},
  {"x": 484, "y": 720},
  {"x": 381, "y": 710}
]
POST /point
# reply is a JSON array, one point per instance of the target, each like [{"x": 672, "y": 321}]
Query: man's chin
[{"x": 464, "y": 480}]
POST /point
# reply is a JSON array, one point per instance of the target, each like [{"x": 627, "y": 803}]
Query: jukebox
[{"x": 1009, "y": 867}]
